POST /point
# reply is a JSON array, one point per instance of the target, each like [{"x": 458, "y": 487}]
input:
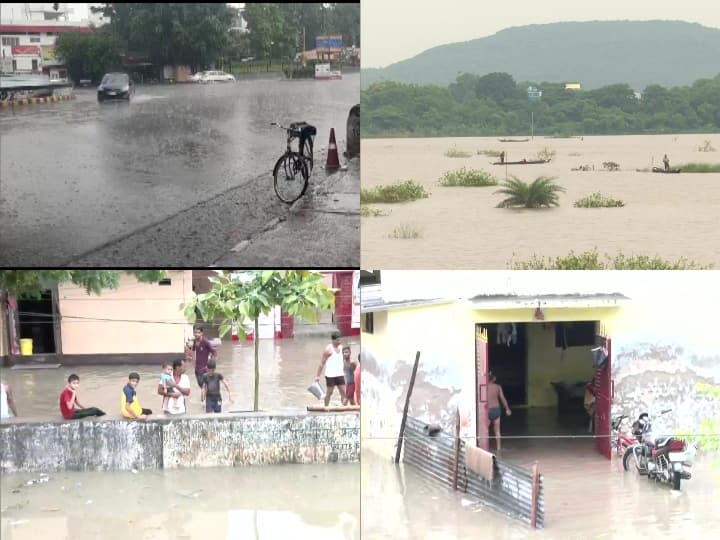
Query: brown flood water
[
  {"x": 586, "y": 497},
  {"x": 669, "y": 215},
  {"x": 287, "y": 368}
]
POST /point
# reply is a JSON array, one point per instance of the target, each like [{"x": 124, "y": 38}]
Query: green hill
[{"x": 596, "y": 54}]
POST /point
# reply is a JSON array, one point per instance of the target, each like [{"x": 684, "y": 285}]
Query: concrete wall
[
  {"x": 87, "y": 325},
  {"x": 192, "y": 441}
]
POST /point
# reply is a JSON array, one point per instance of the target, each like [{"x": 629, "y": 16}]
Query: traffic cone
[{"x": 333, "y": 161}]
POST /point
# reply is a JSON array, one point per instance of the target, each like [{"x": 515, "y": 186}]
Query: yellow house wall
[
  {"x": 445, "y": 336},
  {"x": 148, "y": 318}
]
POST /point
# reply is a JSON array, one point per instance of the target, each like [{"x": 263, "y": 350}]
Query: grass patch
[
  {"x": 591, "y": 260},
  {"x": 490, "y": 153},
  {"x": 699, "y": 167},
  {"x": 406, "y": 231},
  {"x": 455, "y": 152},
  {"x": 366, "y": 211},
  {"x": 394, "y": 193},
  {"x": 597, "y": 200},
  {"x": 468, "y": 177}
]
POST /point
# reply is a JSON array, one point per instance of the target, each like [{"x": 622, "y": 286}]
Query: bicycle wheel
[
  {"x": 290, "y": 177},
  {"x": 307, "y": 151}
]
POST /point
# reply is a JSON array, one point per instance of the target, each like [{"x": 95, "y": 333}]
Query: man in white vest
[{"x": 332, "y": 363}]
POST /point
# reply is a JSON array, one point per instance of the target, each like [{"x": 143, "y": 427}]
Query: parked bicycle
[
  {"x": 293, "y": 169},
  {"x": 620, "y": 441}
]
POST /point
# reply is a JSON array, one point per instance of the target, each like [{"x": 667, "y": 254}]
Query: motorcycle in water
[{"x": 664, "y": 459}]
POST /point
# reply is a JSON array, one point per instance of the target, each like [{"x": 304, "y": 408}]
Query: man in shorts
[
  {"x": 495, "y": 398},
  {"x": 332, "y": 362}
]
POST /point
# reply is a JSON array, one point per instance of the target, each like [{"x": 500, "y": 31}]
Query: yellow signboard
[{"x": 48, "y": 53}]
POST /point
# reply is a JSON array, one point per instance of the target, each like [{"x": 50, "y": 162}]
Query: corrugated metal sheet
[{"x": 510, "y": 491}]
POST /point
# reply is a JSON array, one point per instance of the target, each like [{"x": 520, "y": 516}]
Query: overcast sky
[{"x": 399, "y": 29}]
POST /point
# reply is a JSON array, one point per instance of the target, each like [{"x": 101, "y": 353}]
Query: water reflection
[
  {"x": 287, "y": 368},
  {"x": 254, "y": 503}
]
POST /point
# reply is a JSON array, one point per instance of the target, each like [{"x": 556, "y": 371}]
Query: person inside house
[
  {"x": 7, "y": 401},
  {"x": 70, "y": 406},
  {"x": 129, "y": 404},
  {"x": 589, "y": 403},
  {"x": 496, "y": 397},
  {"x": 177, "y": 402}
]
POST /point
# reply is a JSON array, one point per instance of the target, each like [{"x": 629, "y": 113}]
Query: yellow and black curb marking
[{"x": 31, "y": 101}]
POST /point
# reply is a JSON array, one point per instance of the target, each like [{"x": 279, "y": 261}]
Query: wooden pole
[
  {"x": 533, "y": 510},
  {"x": 532, "y": 126},
  {"x": 407, "y": 404},
  {"x": 457, "y": 449}
]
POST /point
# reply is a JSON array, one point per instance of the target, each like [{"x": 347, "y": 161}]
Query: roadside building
[{"x": 643, "y": 340}]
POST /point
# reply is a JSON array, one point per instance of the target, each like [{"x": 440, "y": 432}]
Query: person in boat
[{"x": 666, "y": 162}]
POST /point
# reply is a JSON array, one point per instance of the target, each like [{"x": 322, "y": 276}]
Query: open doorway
[
  {"x": 37, "y": 322},
  {"x": 544, "y": 369}
]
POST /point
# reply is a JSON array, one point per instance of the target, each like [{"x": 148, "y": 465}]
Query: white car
[
  {"x": 215, "y": 76},
  {"x": 196, "y": 77}
]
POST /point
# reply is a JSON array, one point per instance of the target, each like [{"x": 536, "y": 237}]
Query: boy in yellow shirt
[{"x": 129, "y": 405}]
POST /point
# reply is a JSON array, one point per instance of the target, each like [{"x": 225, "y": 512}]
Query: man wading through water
[
  {"x": 332, "y": 362},
  {"x": 495, "y": 398}
]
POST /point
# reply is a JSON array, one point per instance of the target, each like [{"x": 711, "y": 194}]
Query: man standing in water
[
  {"x": 204, "y": 350},
  {"x": 666, "y": 162},
  {"x": 495, "y": 398},
  {"x": 332, "y": 363}
]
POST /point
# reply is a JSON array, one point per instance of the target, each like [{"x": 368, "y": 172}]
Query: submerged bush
[
  {"x": 394, "y": 193},
  {"x": 597, "y": 200},
  {"x": 468, "y": 177},
  {"x": 591, "y": 260}
]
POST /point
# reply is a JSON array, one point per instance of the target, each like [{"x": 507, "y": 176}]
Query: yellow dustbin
[{"x": 26, "y": 347}]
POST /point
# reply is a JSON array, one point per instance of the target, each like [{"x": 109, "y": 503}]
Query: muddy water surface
[
  {"x": 670, "y": 215},
  {"x": 585, "y": 497},
  {"x": 257, "y": 503},
  {"x": 287, "y": 368}
]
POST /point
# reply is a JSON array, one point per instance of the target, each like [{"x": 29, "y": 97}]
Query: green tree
[
  {"x": 345, "y": 19},
  {"x": 31, "y": 283},
  {"x": 89, "y": 56},
  {"x": 236, "y": 298},
  {"x": 543, "y": 191}
]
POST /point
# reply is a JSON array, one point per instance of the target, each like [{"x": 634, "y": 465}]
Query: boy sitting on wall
[{"x": 129, "y": 405}]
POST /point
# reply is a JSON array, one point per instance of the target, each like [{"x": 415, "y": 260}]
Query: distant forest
[{"x": 495, "y": 104}]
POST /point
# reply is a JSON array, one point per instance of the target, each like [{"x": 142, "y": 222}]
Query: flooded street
[
  {"x": 586, "y": 496},
  {"x": 108, "y": 170},
  {"x": 259, "y": 503},
  {"x": 287, "y": 368},
  {"x": 669, "y": 215}
]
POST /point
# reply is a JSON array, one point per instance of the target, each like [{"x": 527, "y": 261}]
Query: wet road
[
  {"x": 585, "y": 497},
  {"x": 287, "y": 368},
  {"x": 77, "y": 175},
  {"x": 258, "y": 503}
]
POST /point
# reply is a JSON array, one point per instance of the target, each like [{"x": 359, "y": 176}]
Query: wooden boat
[
  {"x": 513, "y": 140},
  {"x": 523, "y": 162},
  {"x": 661, "y": 170}
]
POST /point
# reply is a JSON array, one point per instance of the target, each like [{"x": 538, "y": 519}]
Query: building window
[
  {"x": 165, "y": 282},
  {"x": 575, "y": 334},
  {"x": 10, "y": 41},
  {"x": 369, "y": 277},
  {"x": 368, "y": 326},
  {"x": 34, "y": 40}
]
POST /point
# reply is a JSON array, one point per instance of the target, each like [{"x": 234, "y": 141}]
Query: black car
[{"x": 115, "y": 86}]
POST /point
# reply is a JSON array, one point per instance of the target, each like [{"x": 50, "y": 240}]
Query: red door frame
[
  {"x": 481, "y": 386},
  {"x": 604, "y": 393}
]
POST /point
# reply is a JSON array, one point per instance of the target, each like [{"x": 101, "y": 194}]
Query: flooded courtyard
[
  {"x": 668, "y": 215},
  {"x": 586, "y": 496},
  {"x": 287, "y": 368},
  {"x": 258, "y": 503}
]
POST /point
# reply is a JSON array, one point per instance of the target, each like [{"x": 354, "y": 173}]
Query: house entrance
[
  {"x": 37, "y": 322},
  {"x": 544, "y": 369}
]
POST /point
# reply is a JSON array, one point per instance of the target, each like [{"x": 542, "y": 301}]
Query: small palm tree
[{"x": 542, "y": 192}]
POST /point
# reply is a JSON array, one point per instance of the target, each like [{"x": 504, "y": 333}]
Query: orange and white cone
[{"x": 333, "y": 161}]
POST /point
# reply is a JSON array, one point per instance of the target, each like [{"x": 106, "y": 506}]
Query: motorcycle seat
[{"x": 662, "y": 441}]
